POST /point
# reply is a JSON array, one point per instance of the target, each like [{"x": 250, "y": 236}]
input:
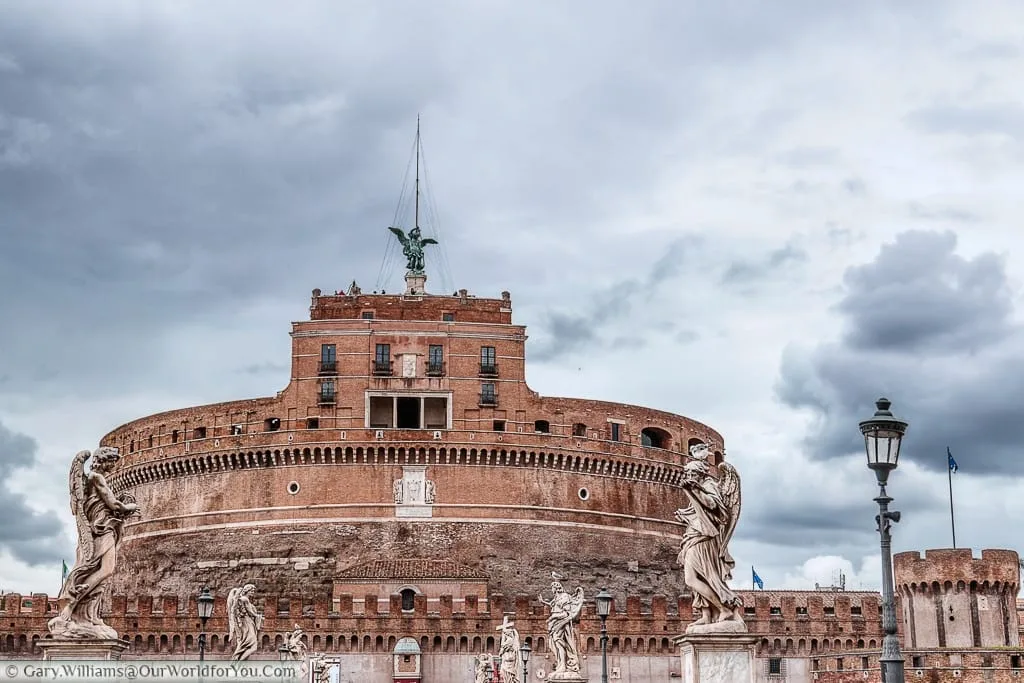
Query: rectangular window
[
  {"x": 488, "y": 361},
  {"x": 435, "y": 360},
  {"x": 830, "y": 611},
  {"x": 174, "y": 436},
  {"x": 616, "y": 430},
  {"x": 367, "y": 315},
  {"x": 499, "y": 425},
  {"x": 775, "y": 611},
  {"x": 864, "y": 663},
  {"x": 328, "y": 358},
  {"x": 382, "y": 359},
  {"x": 801, "y": 611},
  {"x": 312, "y": 423},
  {"x": 199, "y": 433},
  {"x": 487, "y": 395},
  {"x": 327, "y": 391},
  {"x": 407, "y": 412},
  {"x": 1015, "y": 661},
  {"x": 839, "y": 663},
  {"x": 815, "y": 665},
  {"x": 774, "y": 666},
  {"x": 448, "y": 317}
]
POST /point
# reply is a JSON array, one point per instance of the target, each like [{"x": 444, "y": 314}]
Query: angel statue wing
[
  {"x": 77, "y": 485},
  {"x": 400, "y": 234},
  {"x": 729, "y": 487},
  {"x": 576, "y": 604},
  {"x": 428, "y": 240},
  {"x": 233, "y": 612}
]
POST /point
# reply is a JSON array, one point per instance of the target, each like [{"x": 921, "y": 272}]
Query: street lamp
[
  {"x": 604, "y": 607},
  {"x": 524, "y": 652},
  {"x": 205, "y": 605},
  {"x": 883, "y": 435}
]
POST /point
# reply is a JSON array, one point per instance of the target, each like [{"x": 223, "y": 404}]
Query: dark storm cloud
[
  {"x": 745, "y": 272},
  {"x": 566, "y": 333},
  {"x": 32, "y": 537},
  {"x": 932, "y": 331},
  {"x": 165, "y": 164},
  {"x": 918, "y": 295}
]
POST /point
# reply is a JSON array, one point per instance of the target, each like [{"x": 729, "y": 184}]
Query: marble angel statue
[
  {"x": 563, "y": 641},
  {"x": 244, "y": 622},
  {"x": 99, "y": 517},
  {"x": 709, "y": 522},
  {"x": 510, "y": 660},
  {"x": 293, "y": 645}
]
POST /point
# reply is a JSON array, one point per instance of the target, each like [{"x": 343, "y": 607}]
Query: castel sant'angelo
[{"x": 408, "y": 484}]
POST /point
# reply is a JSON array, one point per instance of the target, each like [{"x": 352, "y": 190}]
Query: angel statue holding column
[
  {"x": 709, "y": 522},
  {"x": 99, "y": 517},
  {"x": 412, "y": 248}
]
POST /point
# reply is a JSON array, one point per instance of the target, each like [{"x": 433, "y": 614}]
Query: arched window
[
  {"x": 652, "y": 437},
  {"x": 408, "y": 599}
]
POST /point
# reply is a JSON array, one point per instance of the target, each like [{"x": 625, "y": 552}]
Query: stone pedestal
[
  {"x": 415, "y": 284},
  {"x": 82, "y": 648},
  {"x": 567, "y": 677},
  {"x": 717, "y": 658}
]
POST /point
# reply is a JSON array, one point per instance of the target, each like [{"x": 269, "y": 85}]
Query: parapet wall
[
  {"x": 791, "y": 624},
  {"x": 952, "y": 565}
]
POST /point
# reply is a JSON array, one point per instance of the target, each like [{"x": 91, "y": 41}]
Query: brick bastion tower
[{"x": 407, "y": 453}]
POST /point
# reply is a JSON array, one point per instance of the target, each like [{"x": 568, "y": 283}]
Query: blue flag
[
  {"x": 757, "y": 579},
  {"x": 953, "y": 467}
]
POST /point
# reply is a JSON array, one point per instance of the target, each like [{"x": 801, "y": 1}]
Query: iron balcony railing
[
  {"x": 328, "y": 367},
  {"x": 435, "y": 369},
  {"x": 489, "y": 369},
  {"x": 488, "y": 399},
  {"x": 382, "y": 367}
]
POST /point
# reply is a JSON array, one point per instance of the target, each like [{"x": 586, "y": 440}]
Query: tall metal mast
[{"x": 416, "y": 221}]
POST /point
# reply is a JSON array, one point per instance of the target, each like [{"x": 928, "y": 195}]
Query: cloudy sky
[{"x": 762, "y": 215}]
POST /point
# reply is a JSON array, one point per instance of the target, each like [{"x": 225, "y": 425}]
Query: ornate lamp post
[
  {"x": 205, "y": 606},
  {"x": 604, "y": 607},
  {"x": 883, "y": 435},
  {"x": 524, "y": 652}
]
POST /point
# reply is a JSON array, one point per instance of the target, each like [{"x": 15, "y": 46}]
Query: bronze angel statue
[
  {"x": 562, "y": 639},
  {"x": 709, "y": 522},
  {"x": 412, "y": 248},
  {"x": 99, "y": 517}
]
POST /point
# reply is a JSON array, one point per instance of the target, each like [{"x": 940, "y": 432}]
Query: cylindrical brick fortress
[{"x": 407, "y": 432}]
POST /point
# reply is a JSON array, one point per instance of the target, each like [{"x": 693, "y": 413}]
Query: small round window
[
  {"x": 584, "y": 494},
  {"x": 293, "y": 487}
]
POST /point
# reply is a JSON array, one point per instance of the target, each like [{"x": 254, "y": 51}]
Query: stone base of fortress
[{"x": 514, "y": 558}]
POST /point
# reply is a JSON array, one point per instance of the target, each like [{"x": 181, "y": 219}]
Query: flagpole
[
  {"x": 753, "y": 584},
  {"x": 949, "y": 472}
]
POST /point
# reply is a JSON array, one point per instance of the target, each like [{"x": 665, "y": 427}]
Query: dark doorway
[{"x": 408, "y": 413}]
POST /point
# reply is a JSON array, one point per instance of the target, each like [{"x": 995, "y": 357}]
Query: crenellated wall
[
  {"x": 809, "y": 622},
  {"x": 952, "y": 599}
]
